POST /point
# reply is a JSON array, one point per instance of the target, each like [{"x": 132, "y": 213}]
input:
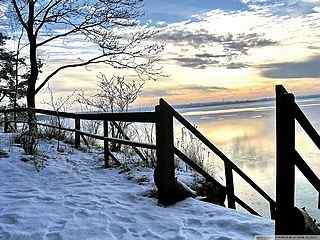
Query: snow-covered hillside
[{"x": 74, "y": 198}]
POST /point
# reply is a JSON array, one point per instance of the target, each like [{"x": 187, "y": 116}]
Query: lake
[{"x": 246, "y": 134}]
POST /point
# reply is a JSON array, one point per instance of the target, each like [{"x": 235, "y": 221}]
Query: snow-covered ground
[{"x": 74, "y": 198}]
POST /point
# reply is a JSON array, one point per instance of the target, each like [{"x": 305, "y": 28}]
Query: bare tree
[
  {"x": 110, "y": 24},
  {"x": 117, "y": 92},
  {"x": 58, "y": 104},
  {"x": 114, "y": 94}
]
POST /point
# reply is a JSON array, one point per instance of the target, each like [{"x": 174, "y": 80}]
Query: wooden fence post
[
  {"x": 229, "y": 185},
  {"x": 285, "y": 154},
  {"x": 164, "y": 174},
  {"x": 77, "y": 134},
  {"x": 106, "y": 144}
]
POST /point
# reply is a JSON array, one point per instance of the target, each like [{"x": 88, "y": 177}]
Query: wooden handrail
[
  {"x": 118, "y": 140},
  {"x": 207, "y": 176},
  {"x": 307, "y": 126},
  {"x": 307, "y": 172},
  {"x": 143, "y": 117},
  {"x": 53, "y": 113},
  {"x": 213, "y": 148},
  {"x": 246, "y": 206},
  {"x": 197, "y": 168}
]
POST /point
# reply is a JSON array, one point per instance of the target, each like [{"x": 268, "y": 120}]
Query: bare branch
[
  {"x": 18, "y": 13},
  {"x": 64, "y": 67},
  {"x": 57, "y": 36},
  {"x": 47, "y": 9}
]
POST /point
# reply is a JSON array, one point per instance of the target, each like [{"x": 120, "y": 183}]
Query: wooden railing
[
  {"x": 143, "y": 117},
  {"x": 288, "y": 158},
  {"x": 164, "y": 147},
  {"x": 167, "y": 112}
]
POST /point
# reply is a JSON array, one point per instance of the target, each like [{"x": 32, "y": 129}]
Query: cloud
[
  {"x": 232, "y": 43},
  {"x": 304, "y": 69},
  {"x": 247, "y": 37},
  {"x": 231, "y": 46},
  {"x": 195, "y": 62},
  {"x": 208, "y": 55},
  {"x": 180, "y": 90},
  {"x": 235, "y": 65},
  {"x": 203, "y": 61},
  {"x": 285, "y": 7}
]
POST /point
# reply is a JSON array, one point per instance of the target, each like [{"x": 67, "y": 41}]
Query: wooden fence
[
  {"x": 143, "y": 117},
  {"x": 287, "y": 112},
  {"x": 287, "y": 158},
  {"x": 166, "y": 151}
]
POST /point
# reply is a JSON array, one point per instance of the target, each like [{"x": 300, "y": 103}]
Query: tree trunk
[
  {"x": 34, "y": 72},
  {"x": 31, "y": 103}
]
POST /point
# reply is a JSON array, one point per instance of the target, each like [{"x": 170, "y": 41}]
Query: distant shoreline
[{"x": 221, "y": 103}]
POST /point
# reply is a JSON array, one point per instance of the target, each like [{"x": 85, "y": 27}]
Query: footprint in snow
[
  {"x": 4, "y": 235},
  {"x": 25, "y": 236},
  {"x": 125, "y": 219},
  {"x": 151, "y": 236},
  {"x": 192, "y": 233},
  {"x": 219, "y": 238},
  {"x": 147, "y": 216},
  {"x": 9, "y": 218},
  {"x": 82, "y": 213},
  {"x": 118, "y": 231},
  {"x": 193, "y": 222},
  {"x": 54, "y": 236},
  {"x": 58, "y": 226},
  {"x": 46, "y": 199}
]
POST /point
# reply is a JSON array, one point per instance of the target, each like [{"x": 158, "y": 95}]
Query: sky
[
  {"x": 229, "y": 50},
  {"x": 217, "y": 50}
]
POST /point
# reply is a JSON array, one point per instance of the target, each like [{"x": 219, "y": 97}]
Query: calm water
[{"x": 246, "y": 134}]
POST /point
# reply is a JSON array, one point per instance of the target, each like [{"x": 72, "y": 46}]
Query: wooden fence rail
[
  {"x": 143, "y": 117},
  {"x": 229, "y": 165}
]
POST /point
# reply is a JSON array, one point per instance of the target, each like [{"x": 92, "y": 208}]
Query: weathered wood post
[
  {"x": 77, "y": 134},
  {"x": 285, "y": 154},
  {"x": 164, "y": 174},
  {"x": 106, "y": 144},
  {"x": 229, "y": 185}
]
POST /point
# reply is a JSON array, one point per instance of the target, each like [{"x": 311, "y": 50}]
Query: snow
[{"x": 74, "y": 198}]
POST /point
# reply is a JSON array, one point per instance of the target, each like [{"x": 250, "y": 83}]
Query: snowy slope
[{"x": 74, "y": 198}]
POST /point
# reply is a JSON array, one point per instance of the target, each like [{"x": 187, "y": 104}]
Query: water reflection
[{"x": 246, "y": 134}]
